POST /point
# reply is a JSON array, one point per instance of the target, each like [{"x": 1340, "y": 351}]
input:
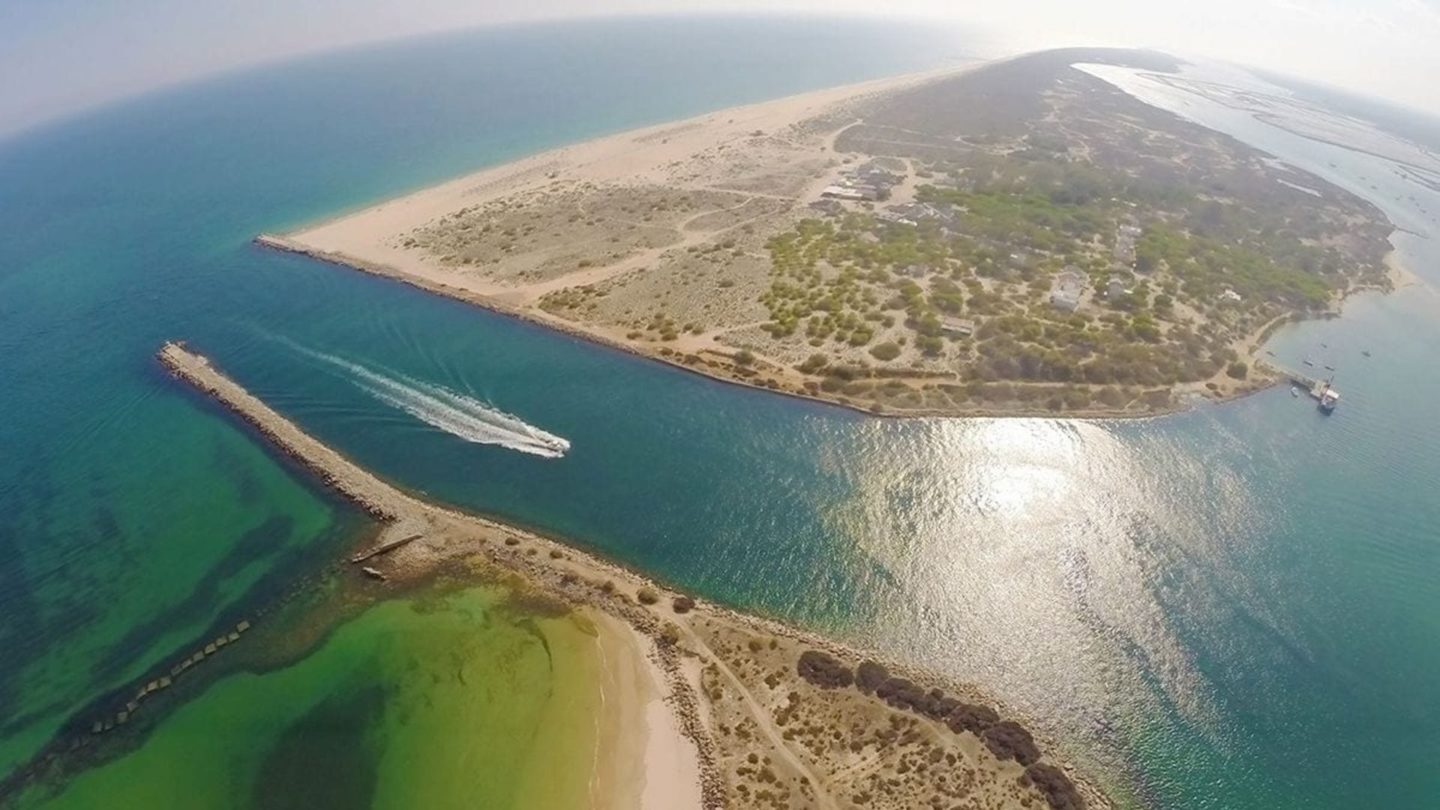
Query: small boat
[
  {"x": 373, "y": 573},
  {"x": 1329, "y": 368},
  {"x": 1309, "y": 362},
  {"x": 1366, "y": 352},
  {"x": 1324, "y": 345},
  {"x": 1294, "y": 392}
]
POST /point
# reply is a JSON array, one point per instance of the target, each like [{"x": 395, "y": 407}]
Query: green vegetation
[
  {"x": 885, "y": 351},
  {"x": 1192, "y": 276}
]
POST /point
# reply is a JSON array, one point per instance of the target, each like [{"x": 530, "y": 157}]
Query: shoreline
[
  {"x": 667, "y": 357},
  {"x": 679, "y": 642}
]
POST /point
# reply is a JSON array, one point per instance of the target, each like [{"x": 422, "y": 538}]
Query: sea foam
[{"x": 455, "y": 413}]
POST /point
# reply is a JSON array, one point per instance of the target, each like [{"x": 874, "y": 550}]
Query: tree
[{"x": 1238, "y": 370}]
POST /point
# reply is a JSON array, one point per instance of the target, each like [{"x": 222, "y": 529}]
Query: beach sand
[{"x": 644, "y": 760}]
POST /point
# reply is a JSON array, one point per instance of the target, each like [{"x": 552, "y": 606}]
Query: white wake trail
[{"x": 452, "y": 412}]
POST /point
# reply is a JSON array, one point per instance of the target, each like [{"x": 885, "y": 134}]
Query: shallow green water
[{"x": 458, "y": 701}]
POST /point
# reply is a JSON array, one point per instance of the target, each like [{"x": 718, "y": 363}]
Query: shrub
[
  {"x": 824, "y": 670},
  {"x": 885, "y": 351},
  {"x": 972, "y": 718},
  {"x": 647, "y": 596},
  {"x": 1009, "y": 740},
  {"x": 1059, "y": 791},
  {"x": 870, "y": 675},
  {"x": 1238, "y": 370},
  {"x": 813, "y": 364}
]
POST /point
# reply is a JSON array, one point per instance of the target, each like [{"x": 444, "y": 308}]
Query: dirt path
[{"x": 763, "y": 720}]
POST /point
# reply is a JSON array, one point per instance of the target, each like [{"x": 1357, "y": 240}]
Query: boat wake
[{"x": 450, "y": 411}]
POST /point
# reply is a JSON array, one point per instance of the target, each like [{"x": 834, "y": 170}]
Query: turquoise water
[{"x": 1233, "y": 607}]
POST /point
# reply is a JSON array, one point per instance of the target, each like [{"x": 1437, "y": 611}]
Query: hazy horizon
[{"x": 50, "y": 48}]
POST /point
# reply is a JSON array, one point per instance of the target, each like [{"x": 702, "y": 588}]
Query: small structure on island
[
  {"x": 1231, "y": 297},
  {"x": 957, "y": 327},
  {"x": 1066, "y": 290},
  {"x": 857, "y": 193},
  {"x": 916, "y": 270}
]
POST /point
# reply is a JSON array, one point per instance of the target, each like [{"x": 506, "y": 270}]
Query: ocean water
[
  {"x": 1234, "y": 607},
  {"x": 135, "y": 518}
]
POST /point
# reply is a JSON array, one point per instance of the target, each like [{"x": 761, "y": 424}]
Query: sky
[{"x": 60, "y": 56}]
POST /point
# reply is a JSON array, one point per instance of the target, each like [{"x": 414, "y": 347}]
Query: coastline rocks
[
  {"x": 824, "y": 670},
  {"x": 1009, "y": 740}
]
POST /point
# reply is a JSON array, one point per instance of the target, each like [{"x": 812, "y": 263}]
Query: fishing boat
[{"x": 1307, "y": 361}]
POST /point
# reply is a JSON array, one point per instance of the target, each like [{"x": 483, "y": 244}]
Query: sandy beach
[
  {"x": 645, "y": 760},
  {"x": 678, "y": 152},
  {"x": 702, "y": 706},
  {"x": 739, "y": 174}
]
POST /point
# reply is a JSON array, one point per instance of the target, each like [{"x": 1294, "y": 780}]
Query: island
[{"x": 1014, "y": 238}]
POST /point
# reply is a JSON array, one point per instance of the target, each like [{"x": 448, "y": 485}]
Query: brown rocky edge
[
  {"x": 778, "y": 720},
  {"x": 719, "y": 368}
]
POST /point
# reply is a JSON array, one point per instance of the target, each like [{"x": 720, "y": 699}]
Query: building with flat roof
[
  {"x": 1067, "y": 289},
  {"x": 957, "y": 327}
]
